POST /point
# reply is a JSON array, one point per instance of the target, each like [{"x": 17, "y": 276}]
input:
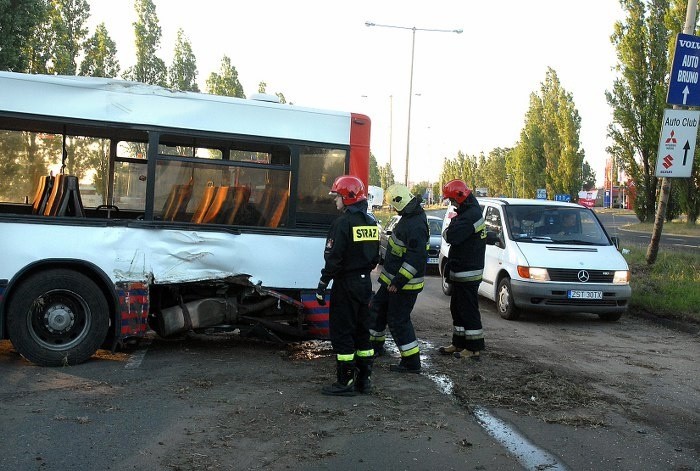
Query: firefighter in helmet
[
  {"x": 466, "y": 235},
  {"x": 401, "y": 280},
  {"x": 351, "y": 253}
]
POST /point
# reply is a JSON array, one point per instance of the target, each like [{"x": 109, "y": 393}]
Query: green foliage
[
  {"x": 100, "y": 58},
  {"x": 668, "y": 287},
  {"x": 419, "y": 189},
  {"x": 375, "y": 178},
  {"x": 68, "y": 22},
  {"x": 18, "y": 22},
  {"x": 549, "y": 153},
  {"x": 149, "y": 68},
  {"x": 183, "y": 72},
  {"x": 638, "y": 96},
  {"x": 386, "y": 176},
  {"x": 225, "y": 83}
]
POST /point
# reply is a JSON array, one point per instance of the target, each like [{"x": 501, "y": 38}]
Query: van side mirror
[
  {"x": 616, "y": 241},
  {"x": 492, "y": 238}
]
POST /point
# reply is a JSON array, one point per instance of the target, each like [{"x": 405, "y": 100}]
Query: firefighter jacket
[
  {"x": 407, "y": 250},
  {"x": 352, "y": 245},
  {"x": 466, "y": 235}
]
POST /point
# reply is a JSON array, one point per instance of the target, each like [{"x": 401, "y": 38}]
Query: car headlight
[
  {"x": 622, "y": 277},
  {"x": 536, "y": 274}
]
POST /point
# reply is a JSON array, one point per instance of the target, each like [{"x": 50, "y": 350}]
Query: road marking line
[{"x": 135, "y": 361}]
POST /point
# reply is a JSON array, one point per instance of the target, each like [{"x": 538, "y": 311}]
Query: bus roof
[{"x": 106, "y": 100}]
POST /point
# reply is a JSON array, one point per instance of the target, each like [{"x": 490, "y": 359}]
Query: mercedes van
[{"x": 547, "y": 256}]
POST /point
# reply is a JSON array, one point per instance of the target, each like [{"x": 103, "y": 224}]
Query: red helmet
[
  {"x": 456, "y": 190},
  {"x": 350, "y": 188}
]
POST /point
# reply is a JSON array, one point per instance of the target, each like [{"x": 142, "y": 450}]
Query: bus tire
[{"x": 57, "y": 317}]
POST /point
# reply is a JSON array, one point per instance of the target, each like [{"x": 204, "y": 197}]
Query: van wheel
[
  {"x": 610, "y": 316},
  {"x": 504, "y": 301},
  {"x": 446, "y": 285},
  {"x": 57, "y": 317}
]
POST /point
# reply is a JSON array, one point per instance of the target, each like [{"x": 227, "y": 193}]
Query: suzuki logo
[
  {"x": 583, "y": 276},
  {"x": 668, "y": 161}
]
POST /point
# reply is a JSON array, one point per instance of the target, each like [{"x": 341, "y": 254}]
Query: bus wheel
[{"x": 57, "y": 317}]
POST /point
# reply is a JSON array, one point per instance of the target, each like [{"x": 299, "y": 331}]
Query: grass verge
[{"x": 668, "y": 288}]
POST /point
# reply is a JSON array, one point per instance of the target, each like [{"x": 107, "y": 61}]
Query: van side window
[{"x": 493, "y": 220}]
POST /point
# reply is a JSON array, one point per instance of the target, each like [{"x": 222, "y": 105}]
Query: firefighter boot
[
  {"x": 449, "y": 350},
  {"x": 346, "y": 377},
  {"x": 378, "y": 347},
  {"x": 409, "y": 364},
  {"x": 364, "y": 375}
]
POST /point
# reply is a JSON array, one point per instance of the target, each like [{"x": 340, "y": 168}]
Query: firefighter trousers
[
  {"x": 349, "y": 314},
  {"x": 466, "y": 318},
  {"x": 394, "y": 310}
]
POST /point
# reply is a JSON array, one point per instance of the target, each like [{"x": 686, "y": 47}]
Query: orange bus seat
[
  {"x": 241, "y": 194},
  {"x": 41, "y": 196},
  {"x": 222, "y": 199},
  {"x": 204, "y": 203},
  {"x": 176, "y": 204},
  {"x": 264, "y": 206},
  {"x": 55, "y": 197},
  {"x": 279, "y": 209}
]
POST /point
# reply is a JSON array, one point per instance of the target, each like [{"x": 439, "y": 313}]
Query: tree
[
  {"x": 100, "y": 59},
  {"x": 68, "y": 21},
  {"x": 638, "y": 96},
  {"x": 183, "y": 71},
  {"x": 375, "y": 178},
  {"x": 149, "y": 68},
  {"x": 225, "y": 83},
  {"x": 386, "y": 176},
  {"x": 18, "y": 21},
  {"x": 548, "y": 154}
]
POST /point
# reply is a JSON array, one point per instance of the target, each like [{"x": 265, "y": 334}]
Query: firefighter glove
[{"x": 321, "y": 293}]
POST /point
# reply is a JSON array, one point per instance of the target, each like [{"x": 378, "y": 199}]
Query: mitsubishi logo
[{"x": 583, "y": 276}]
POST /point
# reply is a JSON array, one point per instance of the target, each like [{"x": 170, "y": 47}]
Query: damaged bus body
[{"x": 127, "y": 208}]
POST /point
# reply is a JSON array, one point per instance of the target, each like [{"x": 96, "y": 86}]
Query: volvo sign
[{"x": 684, "y": 86}]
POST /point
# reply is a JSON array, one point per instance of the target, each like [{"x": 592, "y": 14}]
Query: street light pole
[{"x": 410, "y": 88}]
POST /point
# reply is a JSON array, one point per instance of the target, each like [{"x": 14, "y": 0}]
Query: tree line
[{"x": 549, "y": 153}]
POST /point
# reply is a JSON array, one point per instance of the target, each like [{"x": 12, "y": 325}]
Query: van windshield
[{"x": 556, "y": 224}]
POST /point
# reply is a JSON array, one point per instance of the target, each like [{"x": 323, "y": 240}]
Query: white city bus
[{"x": 127, "y": 208}]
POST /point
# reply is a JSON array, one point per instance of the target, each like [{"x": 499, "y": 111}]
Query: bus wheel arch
[{"x": 58, "y": 315}]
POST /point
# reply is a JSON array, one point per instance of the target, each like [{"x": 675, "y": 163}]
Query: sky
[{"x": 470, "y": 90}]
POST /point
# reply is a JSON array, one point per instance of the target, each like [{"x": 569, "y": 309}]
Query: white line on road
[{"x": 135, "y": 361}]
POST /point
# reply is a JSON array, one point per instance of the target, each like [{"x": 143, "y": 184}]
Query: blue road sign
[
  {"x": 683, "y": 88},
  {"x": 562, "y": 197}
]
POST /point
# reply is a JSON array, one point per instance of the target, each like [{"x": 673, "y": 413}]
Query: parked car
[
  {"x": 435, "y": 227},
  {"x": 548, "y": 256}
]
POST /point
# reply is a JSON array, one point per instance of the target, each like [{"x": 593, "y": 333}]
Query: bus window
[
  {"x": 220, "y": 194},
  {"x": 26, "y": 157},
  {"x": 88, "y": 159},
  {"x": 318, "y": 168},
  {"x": 261, "y": 154}
]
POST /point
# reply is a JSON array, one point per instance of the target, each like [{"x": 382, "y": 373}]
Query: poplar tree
[
  {"x": 638, "y": 96},
  {"x": 183, "y": 71},
  {"x": 100, "y": 59},
  {"x": 68, "y": 18},
  {"x": 149, "y": 68},
  {"x": 549, "y": 154},
  {"x": 18, "y": 21},
  {"x": 225, "y": 83}
]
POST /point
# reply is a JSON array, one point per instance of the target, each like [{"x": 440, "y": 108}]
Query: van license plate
[
  {"x": 576, "y": 294},
  {"x": 432, "y": 261}
]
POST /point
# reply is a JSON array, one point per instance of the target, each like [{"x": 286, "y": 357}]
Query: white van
[{"x": 548, "y": 256}]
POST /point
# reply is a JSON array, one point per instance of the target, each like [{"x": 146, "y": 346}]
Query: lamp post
[{"x": 410, "y": 86}]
